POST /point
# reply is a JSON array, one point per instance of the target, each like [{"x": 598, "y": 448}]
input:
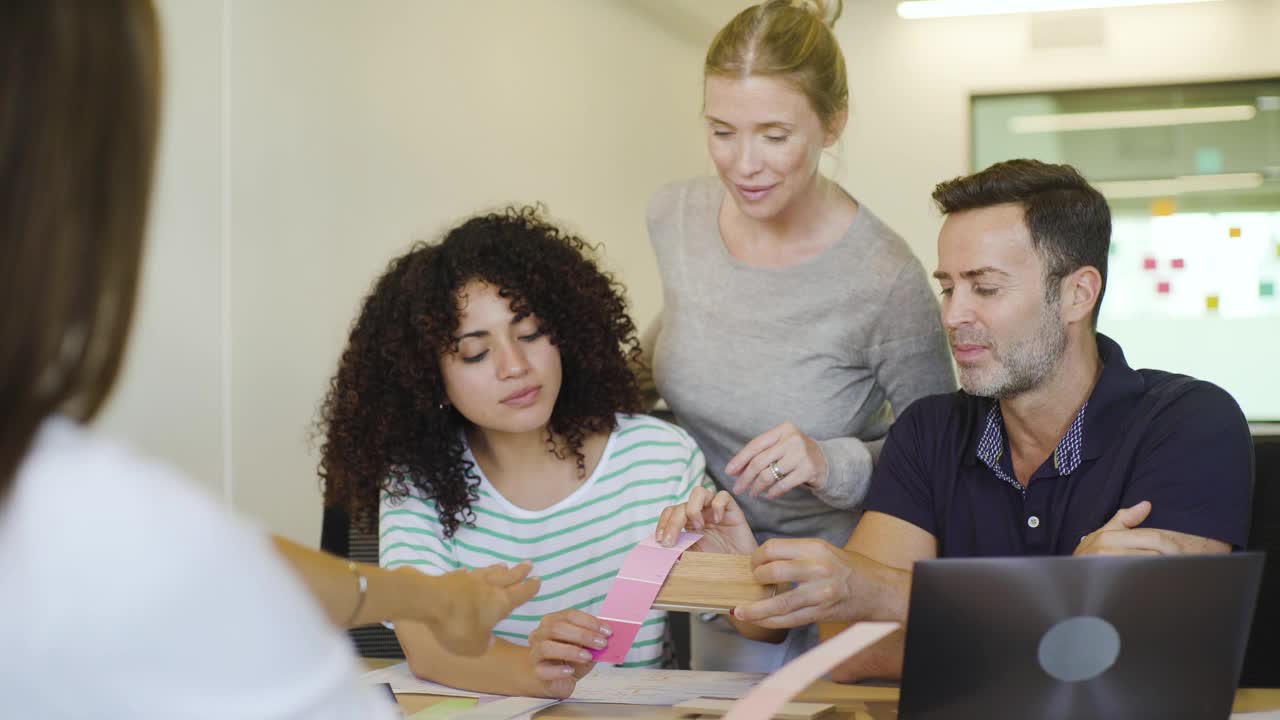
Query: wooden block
[
  {"x": 711, "y": 582},
  {"x": 790, "y": 711}
]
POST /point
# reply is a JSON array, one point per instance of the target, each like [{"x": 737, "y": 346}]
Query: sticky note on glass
[
  {"x": 1209, "y": 161},
  {"x": 1211, "y": 302},
  {"x": 1163, "y": 207},
  {"x": 1266, "y": 289},
  {"x": 1149, "y": 263},
  {"x": 1178, "y": 263},
  {"x": 1162, "y": 288},
  {"x": 633, "y": 591},
  {"x": 1234, "y": 232}
]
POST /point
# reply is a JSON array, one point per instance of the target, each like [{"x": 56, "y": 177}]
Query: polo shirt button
[{"x": 1033, "y": 522}]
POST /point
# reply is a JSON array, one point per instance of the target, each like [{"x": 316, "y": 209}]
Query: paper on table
[
  {"x": 778, "y": 689},
  {"x": 661, "y": 687},
  {"x": 506, "y": 709},
  {"x": 605, "y": 684},
  {"x": 444, "y": 709},
  {"x": 402, "y": 680}
]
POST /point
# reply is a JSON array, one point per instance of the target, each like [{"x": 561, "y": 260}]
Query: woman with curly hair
[{"x": 481, "y": 411}]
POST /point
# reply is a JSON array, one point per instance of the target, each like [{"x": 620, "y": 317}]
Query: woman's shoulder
[
  {"x": 640, "y": 428},
  {"x": 870, "y": 233},
  {"x": 68, "y": 461},
  {"x": 882, "y": 256},
  {"x": 681, "y": 197},
  {"x": 150, "y": 544},
  {"x": 123, "y": 503}
]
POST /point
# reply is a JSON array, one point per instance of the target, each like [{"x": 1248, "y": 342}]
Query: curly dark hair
[{"x": 386, "y": 421}]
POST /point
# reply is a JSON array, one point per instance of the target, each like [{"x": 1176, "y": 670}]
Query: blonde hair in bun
[
  {"x": 828, "y": 11},
  {"x": 791, "y": 39}
]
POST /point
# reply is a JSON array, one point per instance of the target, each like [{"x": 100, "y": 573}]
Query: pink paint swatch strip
[
  {"x": 633, "y": 591},
  {"x": 629, "y": 599},
  {"x": 648, "y": 564},
  {"x": 624, "y": 634}
]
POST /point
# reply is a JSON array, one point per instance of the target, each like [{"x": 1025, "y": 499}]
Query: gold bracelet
[{"x": 362, "y": 583}]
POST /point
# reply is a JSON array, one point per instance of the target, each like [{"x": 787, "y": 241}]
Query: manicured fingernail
[
  {"x": 604, "y": 630},
  {"x": 566, "y": 670},
  {"x": 584, "y": 655},
  {"x": 599, "y": 642}
]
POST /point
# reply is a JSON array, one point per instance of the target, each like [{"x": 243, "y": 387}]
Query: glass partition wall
[{"x": 1192, "y": 173}]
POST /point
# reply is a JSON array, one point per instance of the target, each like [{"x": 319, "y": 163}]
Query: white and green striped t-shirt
[{"x": 577, "y": 545}]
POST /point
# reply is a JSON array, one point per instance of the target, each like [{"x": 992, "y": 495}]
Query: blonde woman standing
[{"x": 796, "y": 324}]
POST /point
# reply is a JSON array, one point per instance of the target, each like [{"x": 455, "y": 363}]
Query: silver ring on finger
[{"x": 776, "y": 471}]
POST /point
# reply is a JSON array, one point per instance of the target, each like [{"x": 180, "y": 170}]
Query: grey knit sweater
[{"x": 836, "y": 345}]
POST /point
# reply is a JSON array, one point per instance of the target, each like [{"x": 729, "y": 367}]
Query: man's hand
[
  {"x": 461, "y": 607},
  {"x": 832, "y": 585},
  {"x": 1122, "y": 536}
]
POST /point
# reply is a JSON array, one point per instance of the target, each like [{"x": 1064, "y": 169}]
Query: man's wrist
[
  {"x": 873, "y": 590},
  {"x": 892, "y": 590}
]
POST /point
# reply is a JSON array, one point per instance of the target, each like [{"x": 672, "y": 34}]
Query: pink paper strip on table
[
  {"x": 777, "y": 690},
  {"x": 633, "y": 591}
]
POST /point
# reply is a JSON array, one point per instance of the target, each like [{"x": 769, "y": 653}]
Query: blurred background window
[{"x": 1192, "y": 174}]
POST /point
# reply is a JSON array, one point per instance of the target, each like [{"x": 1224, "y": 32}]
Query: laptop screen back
[{"x": 1061, "y": 638}]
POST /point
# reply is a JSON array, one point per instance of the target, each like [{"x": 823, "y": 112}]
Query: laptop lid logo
[{"x": 1079, "y": 648}]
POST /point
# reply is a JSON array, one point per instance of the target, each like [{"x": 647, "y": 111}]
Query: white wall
[
  {"x": 353, "y": 129},
  {"x": 169, "y": 398},
  {"x": 308, "y": 141}
]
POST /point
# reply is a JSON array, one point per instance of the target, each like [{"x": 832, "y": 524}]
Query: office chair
[
  {"x": 1262, "y": 659},
  {"x": 340, "y": 537}
]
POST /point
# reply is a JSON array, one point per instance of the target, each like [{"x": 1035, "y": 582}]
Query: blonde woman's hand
[{"x": 777, "y": 461}]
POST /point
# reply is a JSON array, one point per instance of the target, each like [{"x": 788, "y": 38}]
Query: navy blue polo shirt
[{"x": 1181, "y": 443}]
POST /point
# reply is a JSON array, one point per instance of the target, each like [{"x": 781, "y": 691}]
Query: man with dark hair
[
  {"x": 1068, "y": 220},
  {"x": 1054, "y": 445}
]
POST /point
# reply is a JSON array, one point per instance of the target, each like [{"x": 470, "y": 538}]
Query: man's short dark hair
[{"x": 1069, "y": 221}]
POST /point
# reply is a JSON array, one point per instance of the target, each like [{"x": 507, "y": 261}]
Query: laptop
[{"x": 1066, "y": 638}]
